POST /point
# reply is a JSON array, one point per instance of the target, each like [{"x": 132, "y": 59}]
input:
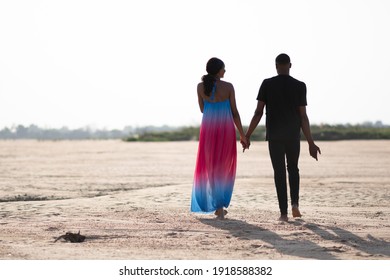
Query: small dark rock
[{"x": 72, "y": 237}]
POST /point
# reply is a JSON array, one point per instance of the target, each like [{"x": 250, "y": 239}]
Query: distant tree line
[
  {"x": 366, "y": 131},
  {"x": 34, "y": 132},
  {"x": 350, "y": 132}
]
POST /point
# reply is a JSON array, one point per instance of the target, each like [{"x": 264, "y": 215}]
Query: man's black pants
[{"x": 280, "y": 151}]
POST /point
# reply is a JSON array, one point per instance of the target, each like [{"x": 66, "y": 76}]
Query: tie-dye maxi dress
[{"x": 216, "y": 162}]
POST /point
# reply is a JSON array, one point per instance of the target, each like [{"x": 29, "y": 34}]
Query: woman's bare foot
[
  {"x": 221, "y": 213},
  {"x": 295, "y": 211},
  {"x": 283, "y": 218}
]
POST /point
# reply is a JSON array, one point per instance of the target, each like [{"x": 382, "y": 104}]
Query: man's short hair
[{"x": 282, "y": 59}]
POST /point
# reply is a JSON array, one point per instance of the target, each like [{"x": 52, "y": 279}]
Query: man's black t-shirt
[{"x": 283, "y": 95}]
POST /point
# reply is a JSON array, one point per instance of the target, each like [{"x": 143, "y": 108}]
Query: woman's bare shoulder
[{"x": 226, "y": 84}]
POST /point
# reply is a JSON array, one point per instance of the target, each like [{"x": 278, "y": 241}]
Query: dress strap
[{"x": 213, "y": 91}]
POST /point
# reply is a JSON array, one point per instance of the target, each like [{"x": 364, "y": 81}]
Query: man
[{"x": 285, "y": 100}]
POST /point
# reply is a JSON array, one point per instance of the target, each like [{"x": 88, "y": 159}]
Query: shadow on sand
[
  {"x": 372, "y": 246},
  {"x": 296, "y": 243}
]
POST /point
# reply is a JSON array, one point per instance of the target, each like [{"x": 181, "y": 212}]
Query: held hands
[
  {"x": 245, "y": 142},
  {"x": 313, "y": 150}
]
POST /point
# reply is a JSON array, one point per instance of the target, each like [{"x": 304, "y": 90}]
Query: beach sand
[{"x": 131, "y": 201}]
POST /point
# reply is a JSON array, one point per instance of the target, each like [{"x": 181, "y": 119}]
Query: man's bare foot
[
  {"x": 295, "y": 212},
  {"x": 283, "y": 218},
  {"x": 221, "y": 213}
]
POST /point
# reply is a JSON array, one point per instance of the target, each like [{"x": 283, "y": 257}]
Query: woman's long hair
[{"x": 213, "y": 66}]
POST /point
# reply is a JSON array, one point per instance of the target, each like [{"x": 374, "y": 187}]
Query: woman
[{"x": 215, "y": 169}]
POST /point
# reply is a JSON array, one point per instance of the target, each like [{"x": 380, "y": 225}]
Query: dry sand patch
[{"x": 131, "y": 201}]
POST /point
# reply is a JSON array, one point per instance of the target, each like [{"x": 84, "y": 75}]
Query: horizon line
[{"x": 377, "y": 123}]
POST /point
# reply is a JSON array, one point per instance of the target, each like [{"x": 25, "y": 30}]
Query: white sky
[{"x": 109, "y": 64}]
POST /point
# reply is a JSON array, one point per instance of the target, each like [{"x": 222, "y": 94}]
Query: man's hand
[{"x": 313, "y": 150}]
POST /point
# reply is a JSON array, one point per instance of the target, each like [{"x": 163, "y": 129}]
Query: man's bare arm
[
  {"x": 305, "y": 125},
  {"x": 255, "y": 120}
]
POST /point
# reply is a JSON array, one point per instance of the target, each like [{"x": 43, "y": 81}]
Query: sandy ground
[{"x": 131, "y": 201}]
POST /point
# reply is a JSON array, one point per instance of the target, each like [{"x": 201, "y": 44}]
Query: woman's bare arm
[
  {"x": 236, "y": 116},
  {"x": 200, "y": 98}
]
